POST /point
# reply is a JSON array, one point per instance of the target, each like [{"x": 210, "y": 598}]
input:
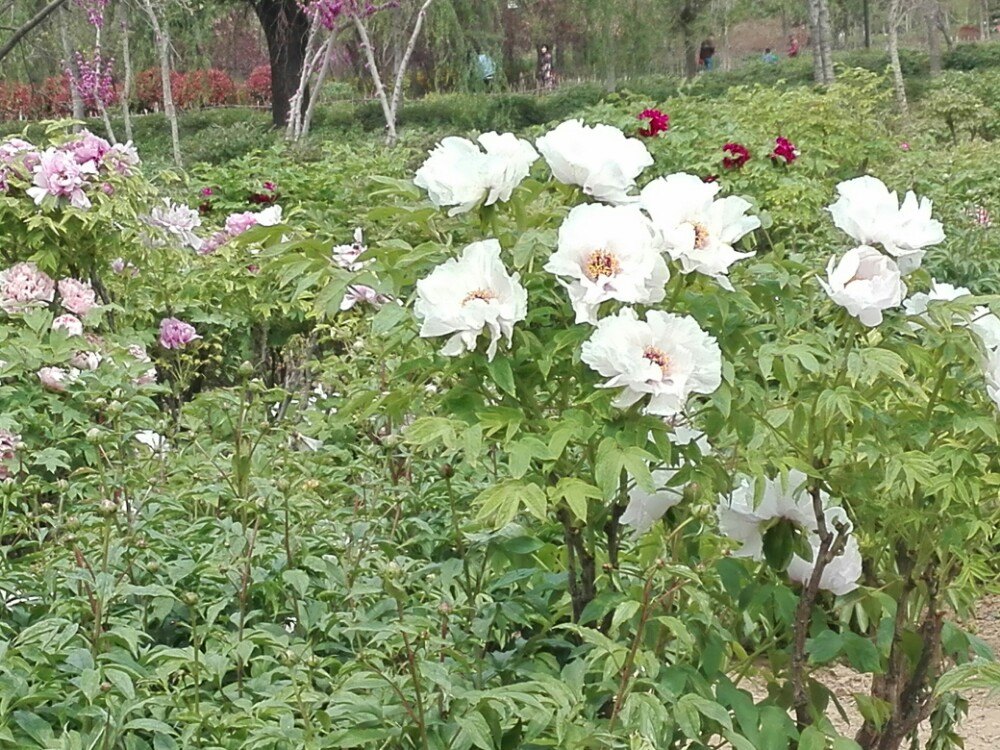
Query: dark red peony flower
[
  {"x": 262, "y": 199},
  {"x": 659, "y": 122},
  {"x": 736, "y": 155},
  {"x": 784, "y": 151},
  {"x": 205, "y": 208},
  {"x": 270, "y": 187}
]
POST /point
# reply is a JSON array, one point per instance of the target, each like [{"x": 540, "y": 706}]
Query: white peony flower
[
  {"x": 644, "y": 509},
  {"x": 464, "y": 296},
  {"x": 667, "y": 357},
  {"x": 698, "y": 230},
  {"x": 86, "y": 360},
  {"x": 841, "y": 574},
  {"x": 457, "y": 173},
  {"x": 983, "y": 322},
  {"x": 599, "y": 159},
  {"x": 991, "y": 371},
  {"x": 346, "y": 256},
  {"x": 604, "y": 253},
  {"x": 872, "y": 215},
  {"x": 742, "y": 521},
  {"x": 153, "y": 440},
  {"x": 57, "y": 378},
  {"x": 865, "y": 282},
  {"x": 177, "y": 220},
  {"x": 269, "y": 217}
]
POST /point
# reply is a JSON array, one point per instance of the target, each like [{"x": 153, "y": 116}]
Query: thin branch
[{"x": 29, "y": 25}]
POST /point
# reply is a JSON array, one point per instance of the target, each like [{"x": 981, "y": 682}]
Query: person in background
[
  {"x": 769, "y": 57},
  {"x": 487, "y": 69},
  {"x": 706, "y": 53},
  {"x": 546, "y": 78},
  {"x": 793, "y": 46}
]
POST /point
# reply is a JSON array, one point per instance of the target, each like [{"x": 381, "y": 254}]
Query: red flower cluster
[
  {"x": 265, "y": 198},
  {"x": 736, "y": 155},
  {"x": 659, "y": 122},
  {"x": 784, "y": 151}
]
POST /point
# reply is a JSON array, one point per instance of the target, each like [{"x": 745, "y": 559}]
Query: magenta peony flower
[
  {"x": 736, "y": 155},
  {"x": 23, "y": 286},
  {"x": 270, "y": 187},
  {"x": 68, "y": 323},
  {"x": 904, "y": 146},
  {"x": 784, "y": 151},
  {"x": 57, "y": 378},
  {"x": 77, "y": 296},
  {"x": 176, "y": 334},
  {"x": 58, "y": 174},
  {"x": 206, "y": 192},
  {"x": 659, "y": 122}
]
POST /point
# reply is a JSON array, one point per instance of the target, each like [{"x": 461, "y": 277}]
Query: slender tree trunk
[
  {"x": 162, "y": 35},
  {"x": 866, "y": 10},
  {"x": 895, "y": 16},
  {"x": 931, "y": 10},
  {"x": 74, "y": 75},
  {"x": 819, "y": 32},
  {"x": 295, "y": 107},
  {"x": 826, "y": 41},
  {"x": 127, "y": 62},
  {"x": 286, "y": 28},
  {"x": 320, "y": 79}
]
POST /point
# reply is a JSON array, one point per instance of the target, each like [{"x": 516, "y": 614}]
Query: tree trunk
[
  {"x": 819, "y": 32},
  {"x": 74, "y": 74},
  {"x": 895, "y": 16},
  {"x": 127, "y": 62},
  {"x": 931, "y": 11},
  {"x": 688, "y": 16},
  {"x": 162, "y": 35},
  {"x": 286, "y": 28}
]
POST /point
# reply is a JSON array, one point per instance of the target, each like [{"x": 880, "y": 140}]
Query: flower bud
[
  {"x": 246, "y": 369},
  {"x": 190, "y": 598},
  {"x": 447, "y": 471},
  {"x": 108, "y": 507}
]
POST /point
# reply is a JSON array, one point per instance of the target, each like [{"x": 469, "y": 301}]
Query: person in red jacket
[{"x": 793, "y": 46}]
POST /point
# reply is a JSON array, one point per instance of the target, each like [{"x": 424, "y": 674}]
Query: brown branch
[{"x": 29, "y": 25}]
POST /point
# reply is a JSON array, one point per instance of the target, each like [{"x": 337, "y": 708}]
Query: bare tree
[
  {"x": 76, "y": 98},
  {"x": 162, "y": 34},
  {"x": 127, "y": 62},
  {"x": 28, "y": 26},
  {"x": 390, "y": 103}
]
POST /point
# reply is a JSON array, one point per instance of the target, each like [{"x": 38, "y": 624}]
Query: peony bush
[{"x": 576, "y": 438}]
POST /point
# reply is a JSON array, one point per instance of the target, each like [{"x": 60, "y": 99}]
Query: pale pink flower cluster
[
  {"x": 88, "y": 147},
  {"x": 57, "y": 378},
  {"x": 177, "y": 220},
  {"x": 121, "y": 266},
  {"x": 122, "y": 158},
  {"x": 237, "y": 224},
  {"x": 77, "y": 296},
  {"x": 23, "y": 286},
  {"x": 9, "y": 444},
  {"x": 70, "y": 324},
  {"x": 139, "y": 353},
  {"x": 360, "y": 293},
  {"x": 58, "y": 174},
  {"x": 176, "y": 334}
]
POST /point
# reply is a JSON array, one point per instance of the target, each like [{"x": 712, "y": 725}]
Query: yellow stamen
[
  {"x": 700, "y": 236},
  {"x": 484, "y": 294},
  {"x": 601, "y": 263},
  {"x": 659, "y": 358}
]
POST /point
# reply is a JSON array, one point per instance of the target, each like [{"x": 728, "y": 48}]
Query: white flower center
[
  {"x": 601, "y": 263},
  {"x": 659, "y": 358},
  {"x": 483, "y": 294},
  {"x": 700, "y": 235}
]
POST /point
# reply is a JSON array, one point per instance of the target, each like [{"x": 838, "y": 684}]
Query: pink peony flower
[
  {"x": 980, "y": 216},
  {"x": 270, "y": 186},
  {"x": 659, "y": 122},
  {"x": 57, "y": 378},
  {"x": 77, "y": 296},
  {"x": 23, "y": 286},
  {"x": 122, "y": 159},
  {"x": 207, "y": 192},
  {"x": 214, "y": 242},
  {"x": 904, "y": 146},
  {"x": 58, "y": 174},
  {"x": 360, "y": 293},
  {"x": 86, "y": 360},
  {"x": 237, "y": 224},
  {"x": 9, "y": 444},
  {"x": 121, "y": 266},
  {"x": 88, "y": 148},
  {"x": 784, "y": 151},
  {"x": 138, "y": 352},
  {"x": 68, "y": 323},
  {"x": 13, "y": 148},
  {"x": 736, "y": 155},
  {"x": 176, "y": 334}
]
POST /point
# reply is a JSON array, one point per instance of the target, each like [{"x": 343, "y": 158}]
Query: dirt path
[{"x": 982, "y": 727}]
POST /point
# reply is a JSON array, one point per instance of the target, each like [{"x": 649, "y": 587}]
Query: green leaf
[
  {"x": 687, "y": 716},
  {"x": 298, "y": 580},
  {"x": 503, "y": 375},
  {"x": 812, "y": 739},
  {"x": 825, "y": 647},
  {"x": 575, "y": 492},
  {"x": 779, "y": 545},
  {"x": 474, "y": 729},
  {"x": 861, "y": 653},
  {"x": 608, "y": 467},
  {"x": 536, "y": 502}
]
